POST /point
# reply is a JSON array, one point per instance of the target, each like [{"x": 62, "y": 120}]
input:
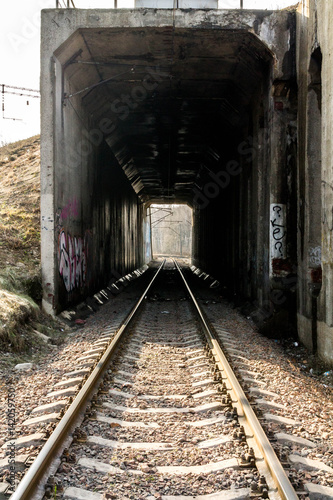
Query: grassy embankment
[{"x": 21, "y": 321}]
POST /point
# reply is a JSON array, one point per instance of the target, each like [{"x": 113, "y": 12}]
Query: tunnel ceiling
[{"x": 176, "y": 97}]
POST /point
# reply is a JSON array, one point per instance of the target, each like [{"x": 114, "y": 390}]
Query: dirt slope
[
  {"x": 19, "y": 204},
  {"x": 20, "y": 283}
]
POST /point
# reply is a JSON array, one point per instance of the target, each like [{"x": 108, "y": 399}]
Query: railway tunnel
[{"x": 169, "y": 106}]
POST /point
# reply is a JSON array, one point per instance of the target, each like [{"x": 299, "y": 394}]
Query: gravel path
[
  {"x": 29, "y": 389},
  {"x": 186, "y": 445},
  {"x": 276, "y": 366},
  {"x": 281, "y": 367}
]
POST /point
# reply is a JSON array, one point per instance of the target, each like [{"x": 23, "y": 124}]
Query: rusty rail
[
  {"x": 31, "y": 486},
  {"x": 273, "y": 464}
]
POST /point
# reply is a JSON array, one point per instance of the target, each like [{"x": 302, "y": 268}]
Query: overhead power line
[{"x": 19, "y": 92}]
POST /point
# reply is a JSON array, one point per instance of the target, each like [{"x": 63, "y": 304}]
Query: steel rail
[
  {"x": 279, "y": 476},
  {"x": 30, "y": 483}
]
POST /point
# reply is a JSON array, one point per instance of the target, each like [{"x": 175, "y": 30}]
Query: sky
[{"x": 19, "y": 56}]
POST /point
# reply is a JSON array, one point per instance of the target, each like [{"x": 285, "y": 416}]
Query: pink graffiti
[
  {"x": 70, "y": 210},
  {"x": 72, "y": 253}
]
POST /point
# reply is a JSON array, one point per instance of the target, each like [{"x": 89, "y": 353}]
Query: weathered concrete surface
[
  {"x": 315, "y": 177},
  {"x": 147, "y": 105},
  {"x": 92, "y": 222},
  {"x": 270, "y": 27}
]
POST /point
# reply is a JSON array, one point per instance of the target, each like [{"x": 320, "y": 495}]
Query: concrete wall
[
  {"x": 315, "y": 176},
  {"x": 99, "y": 219},
  {"x": 245, "y": 222},
  {"x": 94, "y": 227}
]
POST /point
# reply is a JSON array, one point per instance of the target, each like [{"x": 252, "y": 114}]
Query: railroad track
[{"x": 159, "y": 415}]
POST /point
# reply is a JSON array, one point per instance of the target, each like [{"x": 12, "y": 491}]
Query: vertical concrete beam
[
  {"x": 315, "y": 178},
  {"x": 48, "y": 259},
  {"x": 283, "y": 115},
  {"x": 325, "y": 327}
]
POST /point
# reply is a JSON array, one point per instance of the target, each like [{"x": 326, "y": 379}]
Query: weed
[{"x": 149, "y": 478}]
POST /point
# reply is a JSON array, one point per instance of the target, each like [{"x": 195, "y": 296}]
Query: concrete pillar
[
  {"x": 48, "y": 261},
  {"x": 325, "y": 312},
  {"x": 315, "y": 177}
]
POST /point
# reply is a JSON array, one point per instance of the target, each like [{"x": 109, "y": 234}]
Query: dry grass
[
  {"x": 19, "y": 202},
  {"x": 19, "y": 243},
  {"x": 15, "y": 310}
]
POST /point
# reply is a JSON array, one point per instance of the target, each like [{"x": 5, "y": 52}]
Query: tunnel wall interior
[
  {"x": 101, "y": 226},
  {"x": 238, "y": 235}
]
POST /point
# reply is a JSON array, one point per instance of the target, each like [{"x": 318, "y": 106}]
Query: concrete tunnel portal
[{"x": 149, "y": 106}]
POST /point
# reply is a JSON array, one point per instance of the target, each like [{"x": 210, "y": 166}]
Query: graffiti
[
  {"x": 278, "y": 231},
  {"x": 70, "y": 210},
  {"x": 72, "y": 258},
  {"x": 315, "y": 256}
]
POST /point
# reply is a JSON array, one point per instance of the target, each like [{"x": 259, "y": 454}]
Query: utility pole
[{"x": 151, "y": 232}]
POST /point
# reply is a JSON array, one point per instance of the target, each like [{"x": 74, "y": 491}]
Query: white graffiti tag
[
  {"x": 278, "y": 231},
  {"x": 72, "y": 253},
  {"x": 315, "y": 256}
]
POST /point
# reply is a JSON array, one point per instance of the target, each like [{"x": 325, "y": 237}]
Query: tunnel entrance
[
  {"x": 164, "y": 108},
  {"x": 171, "y": 230}
]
